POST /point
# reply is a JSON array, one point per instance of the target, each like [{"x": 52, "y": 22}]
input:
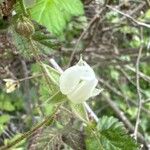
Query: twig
[
  {"x": 89, "y": 110},
  {"x": 126, "y": 15},
  {"x": 146, "y": 101},
  {"x": 95, "y": 18},
  {"x": 118, "y": 93},
  {"x": 26, "y": 89},
  {"x": 138, "y": 89},
  {"x": 30, "y": 77},
  {"x": 35, "y": 51},
  {"x": 129, "y": 17},
  {"x": 148, "y": 3},
  {"x": 81, "y": 36},
  {"x": 142, "y": 75},
  {"x": 128, "y": 78}
]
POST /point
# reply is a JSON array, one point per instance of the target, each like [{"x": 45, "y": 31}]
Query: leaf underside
[{"x": 55, "y": 14}]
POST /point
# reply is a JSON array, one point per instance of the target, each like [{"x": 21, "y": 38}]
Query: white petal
[
  {"x": 69, "y": 79},
  {"x": 83, "y": 91},
  {"x": 87, "y": 70},
  {"x": 96, "y": 92},
  {"x": 9, "y": 80},
  {"x": 11, "y": 89}
]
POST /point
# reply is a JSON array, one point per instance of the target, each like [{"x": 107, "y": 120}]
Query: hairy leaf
[
  {"x": 80, "y": 111},
  {"x": 52, "y": 74},
  {"x": 47, "y": 41},
  {"x": 111, "y": 135},
  {"x": 44, "y": 41}
]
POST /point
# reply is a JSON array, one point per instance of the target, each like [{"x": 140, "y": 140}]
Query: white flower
[
  {"x": 79, "y": 82},
  {"x": 10, "y": 85}
]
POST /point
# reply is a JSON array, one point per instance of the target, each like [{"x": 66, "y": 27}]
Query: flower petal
[
  {"x": 86, "y": 69},
  {"x": 71, "y": 77},
  {"x": 83, "y": 91}
]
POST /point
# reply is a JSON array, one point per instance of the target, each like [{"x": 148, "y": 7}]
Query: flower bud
[
  {"x": 79, "y": 82},
  {"x": 10, "y": 85},
  {"x": 24, "y": 27}
]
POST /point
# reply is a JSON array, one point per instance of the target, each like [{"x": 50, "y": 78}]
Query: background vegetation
[{"x": 113, "y": 36}]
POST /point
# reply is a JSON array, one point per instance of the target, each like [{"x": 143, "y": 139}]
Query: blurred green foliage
[{"x": 58, "y": 23}]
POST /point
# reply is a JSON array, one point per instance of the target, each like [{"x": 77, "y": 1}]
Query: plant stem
[
  {"x": 138, "y": 88},
  {"x": 23, "y": 7},
  {"x": 49, "y": 120},
  {"x": 35, "y": 52}
]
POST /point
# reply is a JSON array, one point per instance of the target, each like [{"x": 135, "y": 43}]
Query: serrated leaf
[
  {"x": 22, "y": 44},
  {"x": 112, "y": 136},
  {"x": 54, "y": 14},
  {"x": 45, "y": 38},
  {"x": 80, "y": 111},
  {"x": 109, "y": 122},
  {"x": 45, "y": 43}
]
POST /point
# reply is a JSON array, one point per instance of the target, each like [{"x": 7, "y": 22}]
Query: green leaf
[
  {"x": 108, "y": 122},
  {"x": 58, "y": 97},
  {"x": 114, "y": 74},
  {"x": 4, "y": 119},
  {"x": 80, "y": 111},
  {"x": 114, "y": 135},
  {"x": 110, "y": 134},
  {"x": 45, "y": 39},
  {"x": 55, "y": 14},
  {"x": 22, "y": 44},
  {"x": 49, "y": 86},
  {"x": 6, "y": 105},
  {"x": 92, "y": 138},
  {"x": 52, "y": 74},
  {"x": 2, "y": 128}
]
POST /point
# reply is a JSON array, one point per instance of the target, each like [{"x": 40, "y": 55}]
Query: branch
[
  {"x": 94, "y": 19},
  {"x": 138, "y": 89},
  {"x": 142, "y": 75},
  {"x": 129, "y": 17},
  {"x": 118, "y": 93}
]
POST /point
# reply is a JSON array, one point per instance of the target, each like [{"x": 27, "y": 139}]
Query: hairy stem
[
  {"x": 23, "y": 7},
  {"x": 26, "y": 135}
]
